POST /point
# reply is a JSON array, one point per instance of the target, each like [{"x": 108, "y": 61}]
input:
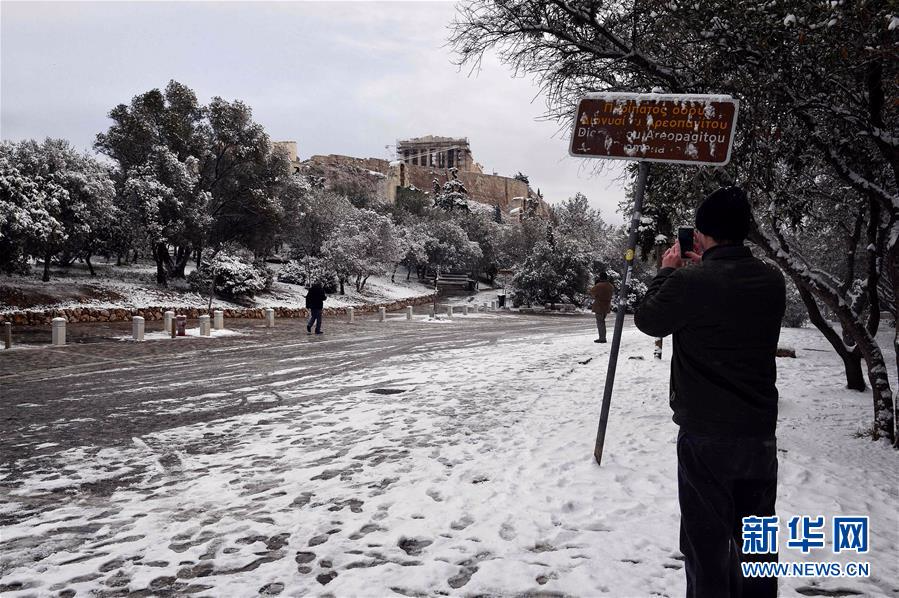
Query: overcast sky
[{"x": 337, "y": 77}]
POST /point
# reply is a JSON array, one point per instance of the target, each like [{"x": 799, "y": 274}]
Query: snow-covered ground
[
  {"x": 475, "y": 477},
  {"x": 134, "y": 286}
]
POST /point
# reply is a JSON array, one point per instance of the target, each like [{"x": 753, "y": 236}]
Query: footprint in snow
[
  {"x": 435, "y": 495},
  {"x": 461, "y": 523},
  {"x": 507, "y": 532},
  {"x": 413, "y": 546}
]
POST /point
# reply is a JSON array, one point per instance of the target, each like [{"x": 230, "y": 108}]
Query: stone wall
[
  {"x": 89, "y": 314},
  {"x": 487, "y": 189}
]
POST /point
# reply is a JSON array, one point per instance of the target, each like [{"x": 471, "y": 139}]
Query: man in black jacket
[
  {"x": 315, "y": 303},
  {"x": 725, "y": 313}
]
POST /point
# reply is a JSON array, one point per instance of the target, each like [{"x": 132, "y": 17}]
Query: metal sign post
[
  {"x": 642, "y": 173},
  {"x": 686, "y": 129}
]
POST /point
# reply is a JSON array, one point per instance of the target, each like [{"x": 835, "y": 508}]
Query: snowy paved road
[
  {"x": 406, "y": 459},
  {"x": 106, "y": 393}
]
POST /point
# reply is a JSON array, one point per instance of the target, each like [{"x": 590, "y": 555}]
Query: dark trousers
[
  {"x": 315, "y": 318},
  {"x": 601, "y": 325},
  {"x": 720, "y": 481}
]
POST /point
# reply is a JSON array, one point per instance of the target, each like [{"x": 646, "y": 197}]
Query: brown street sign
[{"x": 688, "y": 129}]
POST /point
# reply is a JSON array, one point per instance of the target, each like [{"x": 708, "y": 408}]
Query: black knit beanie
[{"x": 724, "y": 215}]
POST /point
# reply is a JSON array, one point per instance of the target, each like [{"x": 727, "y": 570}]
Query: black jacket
[
  {"x": 315, "y": 298},
  {"x": 725, "y": 315}
]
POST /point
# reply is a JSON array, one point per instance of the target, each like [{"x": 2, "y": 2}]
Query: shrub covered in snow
[
  {"x": 307, "y": 271},
  {"x": 236, "y": 277}
]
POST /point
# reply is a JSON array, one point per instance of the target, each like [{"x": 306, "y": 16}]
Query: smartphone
[{"x": 685, "y": 238}]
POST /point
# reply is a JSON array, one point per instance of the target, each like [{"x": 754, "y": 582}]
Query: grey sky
[{"x": 337, "y": 77}]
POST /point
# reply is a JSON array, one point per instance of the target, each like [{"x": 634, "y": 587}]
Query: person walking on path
[
  {"x": 602, "y": 293},
  {"x": 725, "y": 313},
  {"x": 315, "y": 303}
]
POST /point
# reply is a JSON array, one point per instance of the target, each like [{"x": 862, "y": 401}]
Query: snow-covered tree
[
  {"x": 552, "y": 272},
  {"x": 364, "y": 244},
  {"x": 73, "y": 194},
  {"x": 449, "y": 247},
  {"x": 312, "y": 220},
  {"x": 452, "y": 195},
  {"x": 29, "y": 216},
  {"x": 413, "y": 242},
  {"x": 170, "y": 208},
  {"x": 230, "y": 155}
]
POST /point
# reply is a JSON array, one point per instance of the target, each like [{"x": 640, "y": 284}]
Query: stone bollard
[
  {"x": 449, "y": 311},
  {"x": 464, "y": 310},
  {"x": 180, "y": 326},
  {"x": 409, "y": 311},
  {"x": 59, "y": 331},
  {"x": 431, "y": 312},
  {"x": 7, "y": 334},
  {"x": 350, "y": 315},
  {"x": 493, "y": 306},
  {"x": 382, "y": 314},
  {"x": 269, "y": 317},
  {"x": 219, "y": 319},
  {"x": 205, "y": 328},
  {"x": 168, "y": 322},
  {"x": 137, "y": 328}
]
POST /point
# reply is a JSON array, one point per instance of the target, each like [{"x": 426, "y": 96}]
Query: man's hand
[
  {"x": 695, "y": 256},
  {"x": 672, "y": 258}
]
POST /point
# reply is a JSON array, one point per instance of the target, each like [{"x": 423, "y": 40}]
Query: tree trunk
[
  {"x": 46, "y": 276},
  {"x": 90, "y": 266},
  {"x": 892, "y": 268},
  {"x": 199, "y": 257},
  {"x": 118, "y": 259},
  {"x": 341, "y": 286},
  {"x": 364, "y": 280},
  {"x": 182, "y": 256},
  {"x": 852, "y": 360},
  {"x": 408, "y": 273},
  {"x": 160, "y": 253}
]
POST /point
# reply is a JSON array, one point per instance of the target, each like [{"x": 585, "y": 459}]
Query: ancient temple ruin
[{"x": 437, "y": 152}]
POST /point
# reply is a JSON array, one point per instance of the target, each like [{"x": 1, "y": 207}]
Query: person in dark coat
[
  {"x": 725, "y": 312},
  {"x": 315, "y": 303},
  {"x": 602, "y": 293}
]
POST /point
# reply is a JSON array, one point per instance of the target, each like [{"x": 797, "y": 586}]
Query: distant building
[{"x": 437, "y": 152}]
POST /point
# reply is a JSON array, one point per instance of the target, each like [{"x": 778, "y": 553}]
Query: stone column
[
  {"x": 59, "y": 331},
  {"x": 205, "y": 328},
  {"x": 219, "y": 319},
  {"x": 350, "y": 315},
  {"x": 449, "y": 311},
  {"x": 409, "y": 312},
  {"x": 269, "y": 317},
  {"x": 7, "y": 334},
  {"x": 137, "y": 328},
  {"x": 382, "y": 314},
  {"x": 167, "y": 321},
  {"x": 464, "y": 310}
]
